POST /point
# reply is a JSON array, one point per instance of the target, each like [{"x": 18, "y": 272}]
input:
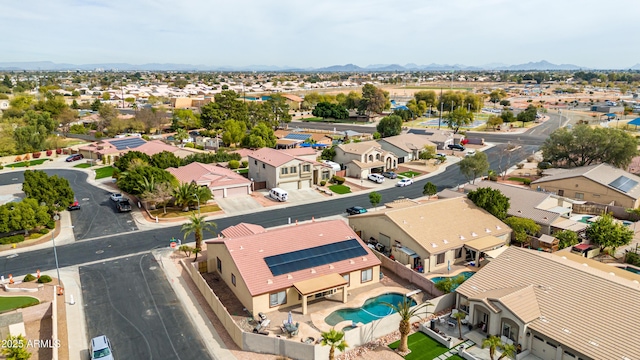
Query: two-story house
[
  {"x": 363, "y": 158},
  {"x": 290, "y": 170}
]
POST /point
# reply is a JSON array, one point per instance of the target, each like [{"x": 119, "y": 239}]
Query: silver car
[{"x": 101, "y": 348}]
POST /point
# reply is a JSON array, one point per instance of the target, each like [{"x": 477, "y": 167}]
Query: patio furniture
[
  {"x": 465, "y": 321},
  {"x": 261, "y": 327},
  {"x": 290, "y": 329},
  {"x": 441, "y": 320},
  {"x": 452, "y": 322}
]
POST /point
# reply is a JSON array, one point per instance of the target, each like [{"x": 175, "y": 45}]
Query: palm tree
[
  {"x": 405, "y": 311},
  {"x": 334, "y": 339},
  {"x": 197, "y": 225},
  {"x": 492, "y": 342},
  {"x": 184, "y": 195},
  {"x": 459, "y": 316},
  {"x": 508, "y": 350}
]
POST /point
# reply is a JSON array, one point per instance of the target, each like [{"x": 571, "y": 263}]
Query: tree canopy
[
  {"x": 492, "y": 200},
  {"x": 53, "y": 191},
  {"x": 522, "y": 228},
  {"x": 474, "y": 166},
  {"x": 124, "y": 161},
  {"x": 390, "y": 126},
  {"x": 130, "y": 181},
  {"x": 328, "y": 110},
  {"x": 528, "y": 115},
  {"x": 609, "y": 233},
  {"x": 374, "y": 100},
  {"x": 583, "y": 145},
  {"x": 458, "y": 118},
  {"x": 260, "y": 136}
]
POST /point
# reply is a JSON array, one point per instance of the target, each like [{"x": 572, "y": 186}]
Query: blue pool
[
  {"x": 632, "y": 269},
  {"x": 373, "y": 309},
  {"x": 466, "y": 274}
]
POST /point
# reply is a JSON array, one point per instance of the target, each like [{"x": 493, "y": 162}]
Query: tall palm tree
[
  {"x": 334, "y": 339},
  {"x": 459, "y": 316},
  {"x": 146, "y": 185},
  {"x": 405, "y": 311},
  {"x": 508, "y": 350},
  {"x": 492, "y": 342},
  {"x": 197, "y": 225},
  {"x": 184, "y": 195}
]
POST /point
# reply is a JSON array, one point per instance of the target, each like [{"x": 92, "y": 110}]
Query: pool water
[
  {"x": 466, "y": 274},
  {"x": 631, "y": 269},
  {"x": 373, "y": 309}
]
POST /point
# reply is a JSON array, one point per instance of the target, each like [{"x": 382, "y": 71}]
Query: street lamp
[
  {"x": 198, "y": 198},
  {"x": 55, "y": 253}
]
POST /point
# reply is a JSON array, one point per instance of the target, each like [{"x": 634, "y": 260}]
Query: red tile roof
[
  {"x": 242, "y": 229},
  {"x": 272, "y": 157},
  {"x": 248, "y": 253},
  {"x": 300, "y": 151},
  {"x": 210, "y": 175}
]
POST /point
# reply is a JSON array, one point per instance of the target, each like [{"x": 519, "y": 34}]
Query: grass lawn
[
  {"x": 26, "y": 163},
  {"x": 455, "y": 357},
  {"x": 340, "y": 189},
  {"x": 83, "y": 166},
  {"x": 16, "y": 302},
  {"x": 242, "y": 171},
  {"x": 174, "y": 212},
  {"x": 422, "y": 347},
  {"x": 409, "y": 174},
  {"x": 104, "y": 172}
]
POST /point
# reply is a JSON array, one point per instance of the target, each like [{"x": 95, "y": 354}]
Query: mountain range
[{"x": 51, "y": 66}]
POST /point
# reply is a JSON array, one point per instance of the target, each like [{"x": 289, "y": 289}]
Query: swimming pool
[
  {"x": 632, "y": 269},
  {"x": 372, "y": 309},
  {"x": 466, "y": 274}
]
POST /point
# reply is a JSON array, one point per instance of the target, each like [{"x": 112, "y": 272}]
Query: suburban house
[
  {"x": 543, "y": 208},
  {"x": 288, "y": 266},
  {"x": 287, "y": 169},
  {"x": 442, "y": 138},
  {"x": 363, "y": 158},
  {"x": 289, "y": 139},
  {"x": 601, "y": 183},
  {"x": 294, "y": 101},
  {"x": 547, "y": 305},
  {"x": 407, "y": 147},
  {"x": 435, "y": 234},
  {"x": 222, "y": 181},
  {"x": 120, "y": 146},
  {"x": 209, "y": 143}
]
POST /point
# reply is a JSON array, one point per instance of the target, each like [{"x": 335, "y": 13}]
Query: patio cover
[
  {"x": 484, "y": 243},
  {"x": 570, "y": 225},
  {"x": 635, "y": 121},
  {"x": 495, "y": 252},
  {"x": 319, "y": 284}
]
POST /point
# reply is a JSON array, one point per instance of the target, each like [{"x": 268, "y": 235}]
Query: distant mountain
[
  {"x": 541, "y": 65},
  {"x": 635, "y": 67},
  {"x": 342, "y": 68}
]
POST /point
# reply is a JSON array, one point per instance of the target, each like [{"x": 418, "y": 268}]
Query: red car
[{"x": 74, "y": 157}]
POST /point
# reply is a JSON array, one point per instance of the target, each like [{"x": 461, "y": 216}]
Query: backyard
[{"x": 423, "y": 347}]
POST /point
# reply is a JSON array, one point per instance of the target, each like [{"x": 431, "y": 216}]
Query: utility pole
[{"x": 441, "y": 109}]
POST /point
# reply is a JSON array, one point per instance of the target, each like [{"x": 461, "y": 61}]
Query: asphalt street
[
  {"x": 131, "y": 301},
  {"x": 97, "y": 215}
]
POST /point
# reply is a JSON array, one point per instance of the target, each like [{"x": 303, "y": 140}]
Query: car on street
[
  {"x": 116, "y": 197},
  {"x": 404, "y": 182},
  {"x": 456, "y": 147},
  {"x": 101, "y": 348},
  {"x": 123, "y": 205},
  {"x": 355, "y": 210},
  {"x": 74, "y": 157},
  {"x": 75, "y": 205},
  {"x": 377, "y": 178},
  {"x": 390, "y": 174}
]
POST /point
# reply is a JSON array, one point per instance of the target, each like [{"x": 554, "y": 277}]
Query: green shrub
[
  {"x": 189, "y": 145},
  {"x": 146, "y": 137},
  {"x": 44, "y": 231},
  {"x": 12, "y": 239},
  {"x": 200, "y": 147},
  {"x": 519, "y": 165},
  {"x": 632, "y": 258},
  {"x": 234, "y": 164},
  {"x": 323, "y": 182},
  {"x": 51, "y": 224},
  {"x": 337, "y": 179},
  {"x": 44, "y": 279},
  {"x": 245, "y": 163},
  {"x": 28, "y": 278},
  {"x": 1, "y": 167},
  {"x": 527, "y": 181},
  {"x": 99, "y": 135}
]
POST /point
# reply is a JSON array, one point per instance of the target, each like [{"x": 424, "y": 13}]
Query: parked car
[
  {"x": 75, "y": 205},
  {"x": 440, "y": 155},
  {"x": 390, "y": 174},
  {"x": 116, "y": 197},
  {"x": 404, "y": 182},
  {"x": 456, "y": 147},
  {"x": 377, "y": 178},
  {"x": 74, "y": 157},
  {"x": 123, "y": 205},
  {"x": 354, "y": 210},
  {"x": 470, "y": 153},
  {"x": 101, "y": 348}
]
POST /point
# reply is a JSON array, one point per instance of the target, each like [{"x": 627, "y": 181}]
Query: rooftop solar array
[
  {"x": 623, "y": 184},
  {"x": 128, "y": 143},
  {"x": 293, "y": 136},
  {"x": 316, "y": 256}
]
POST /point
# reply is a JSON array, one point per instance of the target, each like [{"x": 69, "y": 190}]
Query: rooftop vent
[
  {"x": 289, "y": 277},
  {"x": 487, "y": 230},
  {"x": 351, "y": 262},
  {"x": 241, "y": 247},
  {"x": 474, "y": 234},
  {"x": 269, "y": 281},
  {"x": 313, "y": 271},
  {"x": 498, "y": 227},
  {"x": 445, "y": 241},
  {"x": 364, "y": 258},
  {"x": 566, "y": 330},
  {"x": 433, "y": 245},
  {"x": 462, "y": 237},
  {"x": 593, "y": 343},
  {"x": 331, "y": 266}
]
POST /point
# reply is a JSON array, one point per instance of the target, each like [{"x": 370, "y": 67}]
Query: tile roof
[
  {"x": 360, "y": 147},
  {"x": 272, "y": 157},
  {"x": 206, "y": 174},
  {"x": 408, "y": 142},
  {"x": 603, "y": 174},
  {"x": 581, "y": 302},
  {"x": 292, "y": 97},
  {"x": 437, "y": 225},
  {"x": 300, "y": 151},
  {"x": 248, "y": 253},
  {"x": 242, "y": 229}
]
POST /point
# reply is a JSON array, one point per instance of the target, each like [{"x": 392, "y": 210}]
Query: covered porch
[
  {"x": 477, "y": 249},
  {"x": 319, "y": 287}
]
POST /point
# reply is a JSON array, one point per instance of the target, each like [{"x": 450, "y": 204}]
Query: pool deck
[{"x": 455, "y": 270}]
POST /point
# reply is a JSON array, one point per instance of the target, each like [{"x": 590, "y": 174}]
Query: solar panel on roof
[
  {"x": 623, "y": 184},
  {"x": 312, "y": 257},
  {"x": 128, "y": 143},
  {"x": 297, "y": 136}
]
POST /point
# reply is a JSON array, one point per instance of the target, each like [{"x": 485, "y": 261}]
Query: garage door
[
  {"x": 542, "y": 349},
  {"x": 217, "y": 194},
  {"x": 289, "y": 186},
  {"x": 237, "y": 191},
  {"x": 305, "y": 184}
]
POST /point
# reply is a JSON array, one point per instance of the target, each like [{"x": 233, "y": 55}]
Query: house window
[
  {"x": 370, "y": 157},
  {"x": 233, "y": 279},
  {"x": 325, "y": 175},
  {"x": 378, "y": 157},
  {"x": 440, "y": 259},
  {"x": 255, "y": 162},
  {"x": 263, "y": 166},
  {"x": 284, "y": 171},
  {"x": 507, "y": 331},
  {"x": 560, "y": 192},
  {"x": 278, "y": 298},
  {"x": 306, "y": 168},
  {"x": 458, "y": 253},
  {"x": 346, "y": 277},
  {"x": 294, "y": 170},
  {"x": 219, "y": 265},
  {"x": 579, "y": 196},
  {"x": 366, "y": 275}
]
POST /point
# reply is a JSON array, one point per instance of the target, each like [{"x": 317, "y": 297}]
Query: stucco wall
[{"x": 592, "y": 191}]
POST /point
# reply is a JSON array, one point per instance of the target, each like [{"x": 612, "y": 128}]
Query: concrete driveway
[{"x": 238, "y": 204}]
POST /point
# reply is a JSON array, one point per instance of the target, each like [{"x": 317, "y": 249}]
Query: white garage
[
  {"x": 543, "y": 349},
  {"x": 289, "y": 186}
]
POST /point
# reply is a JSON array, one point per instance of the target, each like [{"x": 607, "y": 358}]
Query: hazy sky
[{"x": 305, "y": 33}]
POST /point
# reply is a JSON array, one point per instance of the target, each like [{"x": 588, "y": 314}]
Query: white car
[
  {"x": 470, "y": 153},
  {"x": 404, "y": 182},
  {"x": 116, "y": 197},
  {"x": 377, "y": 178}
]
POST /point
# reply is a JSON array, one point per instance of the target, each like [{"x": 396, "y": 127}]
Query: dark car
[
  {"x": 123, "y": 205},
  {"x": 74, "y": 157},
  {"x": 456, "y": 147},
  {"x": 75, "y": 205},
  {"x": 390, "y": 174},
  {"x": 355, "y": 210}
]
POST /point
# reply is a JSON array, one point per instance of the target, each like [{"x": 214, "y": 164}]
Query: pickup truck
[{"x": 123, "y": 205}]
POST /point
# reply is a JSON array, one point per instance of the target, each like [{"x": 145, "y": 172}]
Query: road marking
[
  {"x": 153, "y": 267},
  {"x": 12, "y": 256},
  {"x": 99, "y": 252}
]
